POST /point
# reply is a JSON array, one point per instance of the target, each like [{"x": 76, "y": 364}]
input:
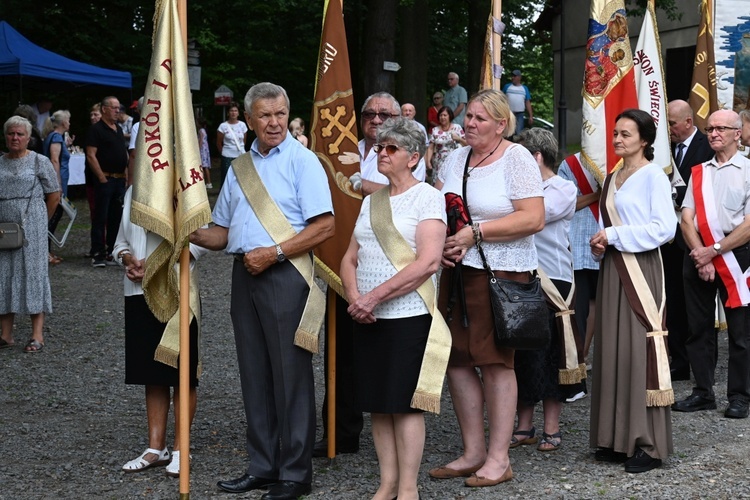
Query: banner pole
[
  {"x": 184, "y": 365},
  {"x": 331, "y": 353}
]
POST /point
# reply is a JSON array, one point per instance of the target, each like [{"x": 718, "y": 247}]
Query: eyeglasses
[
  {"x": 390, "y": 149},
  {"x": 720, "y": 130},
  {"x": 437, "y": 97},
  {"x": 370, "y": 115}
]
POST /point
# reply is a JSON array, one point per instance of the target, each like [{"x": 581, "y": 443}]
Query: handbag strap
[
  {"x": 468, "y": 214},
  {"x": 31, "y": 193}
]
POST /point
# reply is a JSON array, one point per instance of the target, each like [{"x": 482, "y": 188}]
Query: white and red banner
[{"x": 608, "y": 84}]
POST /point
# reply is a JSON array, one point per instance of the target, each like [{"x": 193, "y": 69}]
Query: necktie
[{"x": 680, "y": 154}]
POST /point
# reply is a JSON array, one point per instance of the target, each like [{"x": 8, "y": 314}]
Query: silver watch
[
  {"x": 717, "y": 248},
  {"x": 280, "y": 257}
]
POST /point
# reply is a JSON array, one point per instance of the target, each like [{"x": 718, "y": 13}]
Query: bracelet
[
  {"x": 122, "y": 254},
  {"x": 477, "y": 230}
]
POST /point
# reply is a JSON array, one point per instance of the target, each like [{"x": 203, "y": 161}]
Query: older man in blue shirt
[{"x": 269, "y": 295}]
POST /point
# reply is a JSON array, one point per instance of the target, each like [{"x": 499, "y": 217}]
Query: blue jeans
[
  {"x": 109, "y": 198},
  {"x": 520, "y": 122}
]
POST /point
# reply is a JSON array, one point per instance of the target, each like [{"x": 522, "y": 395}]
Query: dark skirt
[
  {"x": 142, "y": 335},
  {"x": 538, "y": 370},
  {"x": 473, "y": 345},
  {"x": 387, "y": 359}
]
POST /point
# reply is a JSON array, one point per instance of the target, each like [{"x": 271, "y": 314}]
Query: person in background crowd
[
  {"x": 455, "y": 98},
  {"x": 297, "y": 128},
  {"x": 143, "y": 335},
  {"x": 444, "y": 139},
  {"x": 504, "y": 196},
  {"x": 519, "y": 98},
  {"x": 56, "y": 150},
  {"x": 392, "y": 322},
  {"x": 275, "y": 374},
  {"x": 36, "y": 144},
  {"x": 29, "y": 192},
  {"x": 689, "y": 147},
  {"x": 716, "y": 227},
  {"x": 135, "y": 111},
  {"x": 745, "y": 135},
  {"x": 585, "y": 269},
  {"x": 409, "y": 111},
  {"x": 132, "y": 143},
  {"x": 95, "y": 114},
  {"x": 200, "y": 125},
  {"x": 432, "y": 111},
  {"x": 107, "y": 155},
  {"x": 42, "y": 110},
  {"x": 538, "y": 371},
  {"x": 630, "y": 417},
  {"x": 125, "y": 122},
  {"x": 230, "y": 138}
]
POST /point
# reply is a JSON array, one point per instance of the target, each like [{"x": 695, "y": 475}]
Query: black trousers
[
  {"x": 673, "y": 256},
  {"x": 276, "y": 376},
  {"x": 701, "y": 346},
  {"x": 349, "y": 420}
]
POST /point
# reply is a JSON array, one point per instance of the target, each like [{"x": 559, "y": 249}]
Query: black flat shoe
[
  {"x": 320, "y": 450},
  {"x": 641, "y": 462},
  {"x": 694, "y": 402},
  {"x": 286, "y": 490},
  {"x": 245, "y": 483},
  {"x": 609, "y": 455},
  {"x": 737, "y": 409}
]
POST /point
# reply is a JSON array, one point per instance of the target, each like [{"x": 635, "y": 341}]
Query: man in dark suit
[{"x": 689, "y": 147}]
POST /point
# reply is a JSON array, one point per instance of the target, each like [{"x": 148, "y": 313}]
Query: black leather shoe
[
  {"x": 609, "y": 455},
  {"x": 694, "y": 402},
  {"x": 737, "y": 409},
  {"x": 245, "y": 483},
  {"x": 680, "y": 374},
  {"x": 641, "y": 462},
  {"x": 286, "y": 490},
  {"x": 320, "y": 449}
]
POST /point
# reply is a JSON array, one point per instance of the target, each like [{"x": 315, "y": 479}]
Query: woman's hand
[
  {"x": 360, "y": 309},
  {"x": 456, "y": 246},
  {"x": 599, "y": 243},
  {"x": 134, "y": 268}
]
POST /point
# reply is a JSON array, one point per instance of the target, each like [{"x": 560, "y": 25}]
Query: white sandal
[
  {"x": 173, "y": 469},
  {"x": 140, "y": 463}
]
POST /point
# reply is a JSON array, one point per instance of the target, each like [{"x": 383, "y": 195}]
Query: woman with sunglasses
[
  {"x": 392, "y": 321},
  {"x": 504, "y": 197}
]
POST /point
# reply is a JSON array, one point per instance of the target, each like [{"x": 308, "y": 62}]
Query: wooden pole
[
  {"x": 331, "y": 387},
  {"x": 497, "y": 8},
  {"x": 184, "y": 365}
]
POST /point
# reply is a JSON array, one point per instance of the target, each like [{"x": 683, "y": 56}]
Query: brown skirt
[
  {"x": 620, "y": 418},
  {"x": 473, "y": 345}
]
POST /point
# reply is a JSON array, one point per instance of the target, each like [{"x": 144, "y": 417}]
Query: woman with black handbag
[
  {"x": 631, "y": 393},
  {"x": 29, "y": 194},
  {"x": 503, "y": 195}
]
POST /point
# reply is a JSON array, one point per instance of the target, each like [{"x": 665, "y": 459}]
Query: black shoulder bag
[{"x": 519, "y": 309}]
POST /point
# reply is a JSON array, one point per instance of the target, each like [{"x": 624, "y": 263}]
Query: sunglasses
[
  {"x": 390, "y": 149},
  {"x": 370, "y": 115}
]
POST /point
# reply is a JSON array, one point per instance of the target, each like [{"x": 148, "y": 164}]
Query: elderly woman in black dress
[
  {"x": 392, "y": 319},
  {"x": 29, "y": 194}
]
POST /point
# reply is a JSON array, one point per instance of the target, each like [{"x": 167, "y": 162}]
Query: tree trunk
[
  {"x": 379, "y": 46},
  {"x": 479, "y": 11},
  {"x": 412, "y": 80}
]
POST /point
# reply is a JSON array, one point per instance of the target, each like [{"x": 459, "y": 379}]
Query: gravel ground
[{"x": 68, "y": 422}]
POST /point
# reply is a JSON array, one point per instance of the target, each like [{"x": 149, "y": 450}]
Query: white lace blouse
[
  {"x": 420, "y": 202},
  {"x": 490, "y": 192}
]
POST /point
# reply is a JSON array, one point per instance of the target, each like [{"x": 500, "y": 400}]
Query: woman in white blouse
[
  {"x": 392, "y": 322},
  {"x": 505, "y": 199},
  {"x": 537, "y": 371},
  {"x": 143, "y": 333},
  {"x": 230, "y": 138},
  {"x": 628, "y": 422}
]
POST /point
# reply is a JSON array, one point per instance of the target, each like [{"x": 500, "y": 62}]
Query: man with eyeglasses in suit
[{"x": 716, "y": 227}]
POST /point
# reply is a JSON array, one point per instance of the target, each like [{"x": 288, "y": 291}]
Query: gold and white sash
[
  {"x": 438, "y": 349},
  {"x": 278, "y": 227},
  {"x": 658, "y": 379}
]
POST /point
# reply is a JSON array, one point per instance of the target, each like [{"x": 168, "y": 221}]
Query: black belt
[
  {"x": 114, "y": 175},
  {"x": 239, "y": 257}
]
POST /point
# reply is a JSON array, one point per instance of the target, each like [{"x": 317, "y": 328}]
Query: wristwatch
[
  {"x": 280, "y": 257},
  {"x": 717, "y": 248}
]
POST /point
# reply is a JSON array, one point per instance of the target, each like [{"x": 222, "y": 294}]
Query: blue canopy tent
[{"x": 18, "y": 56}]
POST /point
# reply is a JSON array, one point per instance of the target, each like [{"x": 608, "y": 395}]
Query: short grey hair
[
  {"x": 54, "y": 120},
  {"x": 404, "y": 132},
  {"x": 17, "y": 121},
  {"x": 745, "y": 115},
  {"x": 384, "y": 95},
  {"x": 539, "y": 140},
  {"x": 264, "y": 90}
]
